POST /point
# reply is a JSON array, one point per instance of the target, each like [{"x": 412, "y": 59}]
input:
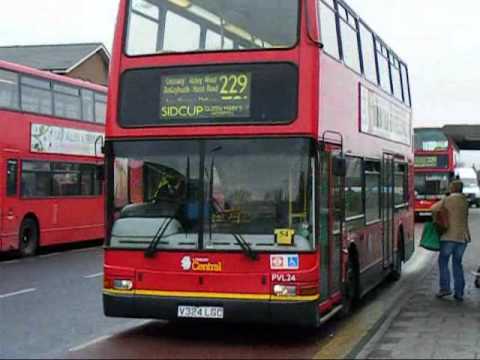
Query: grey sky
[
  {"x": 437, "y": 38},
  {"x": 24, "y": 22},
  {"x": 439, "y": 41}
]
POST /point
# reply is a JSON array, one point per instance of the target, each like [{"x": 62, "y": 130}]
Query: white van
[{"x": 470, "y": 184}]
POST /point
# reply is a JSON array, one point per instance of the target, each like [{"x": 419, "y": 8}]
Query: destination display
[
  {"x": 199, "y": 96},
  {"x": 438, "y": 161},
  {"x": 230, "y": 94}
]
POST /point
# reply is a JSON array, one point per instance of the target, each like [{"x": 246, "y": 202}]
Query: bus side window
[{"x": 12, "y": 175}]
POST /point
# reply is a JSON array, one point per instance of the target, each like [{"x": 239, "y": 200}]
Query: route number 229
[{"x": 234, "y": 84}]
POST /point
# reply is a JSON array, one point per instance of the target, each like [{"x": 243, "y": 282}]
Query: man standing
[{"x": 453, "y": 241}]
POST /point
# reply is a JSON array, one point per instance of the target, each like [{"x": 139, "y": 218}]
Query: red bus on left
[{"x": 51, "y": 133}]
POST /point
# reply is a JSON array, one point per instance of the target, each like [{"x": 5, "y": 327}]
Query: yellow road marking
[{"x": 351, "y": 332}]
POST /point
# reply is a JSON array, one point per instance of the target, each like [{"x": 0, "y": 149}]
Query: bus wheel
[
  {"x": 28, "y": 237},
  {"x": 350, "y": 288}
]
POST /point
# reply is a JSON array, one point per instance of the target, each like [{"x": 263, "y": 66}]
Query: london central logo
[
  {"x": 200, "y": 265},
  {"x": 186, "y": 263}
]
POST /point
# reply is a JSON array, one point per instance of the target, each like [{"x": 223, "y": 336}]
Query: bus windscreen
[{"x": 173, "y": 26}]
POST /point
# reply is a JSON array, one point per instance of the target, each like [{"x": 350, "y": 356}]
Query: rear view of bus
[{"x": 225, "y": 194}]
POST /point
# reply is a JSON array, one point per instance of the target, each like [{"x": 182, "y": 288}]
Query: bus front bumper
[{"x": 303, "y": 313}]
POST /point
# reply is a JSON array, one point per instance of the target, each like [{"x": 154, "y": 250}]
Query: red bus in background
[
  {"x": 52, "y": 131},
  {"x": 436, "y": 157},
  {"x": 258, "y": 168}
]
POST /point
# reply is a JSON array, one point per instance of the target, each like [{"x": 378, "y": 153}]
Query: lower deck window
[
  {"x": 401, "y": 184},
  {"x": 372, "y": 191},
  {"x": 49, "y": 179},
  {"x": 354, "y": 188}
]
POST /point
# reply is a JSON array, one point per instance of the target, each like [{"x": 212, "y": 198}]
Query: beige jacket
[{"x": 457, "y": 207}]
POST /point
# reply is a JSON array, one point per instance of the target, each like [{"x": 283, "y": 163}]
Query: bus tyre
[
  {"x": 350, "y": 288},
  {"x": 28, "y": 237}
]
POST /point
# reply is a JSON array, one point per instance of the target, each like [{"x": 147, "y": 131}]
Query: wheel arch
[
  {"x": 31, "y": 215},
  {"x": 354, "y": 256},
  {"x": 401, "y": 240}
]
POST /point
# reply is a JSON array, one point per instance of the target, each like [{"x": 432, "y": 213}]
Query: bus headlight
[
  {"x": 122, "y": 284},
  {"x": 284, "y": 290}
]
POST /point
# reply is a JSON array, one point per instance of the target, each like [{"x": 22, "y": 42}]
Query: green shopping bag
[{"x": 430, "y": 237}]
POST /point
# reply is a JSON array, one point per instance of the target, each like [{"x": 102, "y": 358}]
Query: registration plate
[
  {"x": 200, "y": 312},
  {"x": 425, "y": 214}
]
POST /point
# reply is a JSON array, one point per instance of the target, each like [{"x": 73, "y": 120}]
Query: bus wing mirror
[
  {"x": 339, "y": 166},
  {"x": 100, "y": 172}
]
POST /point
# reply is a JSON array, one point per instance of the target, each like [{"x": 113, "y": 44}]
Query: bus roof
[{"x": 5, "y": 65}]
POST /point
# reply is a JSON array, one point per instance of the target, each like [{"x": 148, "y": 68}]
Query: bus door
[
  {"x": 10, "y": 200},
  {"x": 331, "y": 211},
  {"x": 388, "y": 178}
]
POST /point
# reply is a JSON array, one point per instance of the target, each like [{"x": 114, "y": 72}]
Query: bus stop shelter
[{"x": 467, "y": 137}]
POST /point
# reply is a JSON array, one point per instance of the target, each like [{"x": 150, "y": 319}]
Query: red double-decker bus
[
  {"x": 259, "y": 161},
  {"x": 52, "y": 130},
  {"x": 435, "y": 161}
]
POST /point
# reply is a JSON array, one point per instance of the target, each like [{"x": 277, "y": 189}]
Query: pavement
[{"x": 424, "y": 327}]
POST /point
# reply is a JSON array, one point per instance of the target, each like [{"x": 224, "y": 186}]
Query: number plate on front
[{"x": 200, "y": 312}]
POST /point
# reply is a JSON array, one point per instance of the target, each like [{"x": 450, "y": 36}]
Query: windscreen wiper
[
  {"x": 152, "y": 247},
  {"x": 247, "y": 249}
]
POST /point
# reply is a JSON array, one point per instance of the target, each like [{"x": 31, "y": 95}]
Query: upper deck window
[
  {"x": 67, "y": 102},
  {"x": 41, "y": 96},
  {"x": 396, "y": 79},
  {"x": 87, "y": 105},
  {"x": 430, "y": 140},
  {"x": 348, "y": 29},
  {"x": 8, "y": 89},
  {"x": 214, "y": 41},
  {"x": 163, "y": 26},
  {"x": 368, "y": 52},
  {"x": 405, "y": 85},
  {"x": 100, "y": 108},
  {"x": 328, "y": 28},
  {"x": 175, "y": 25},
  {"x": 36, "y": 96},
  {"x": 383, "y": 66}
]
